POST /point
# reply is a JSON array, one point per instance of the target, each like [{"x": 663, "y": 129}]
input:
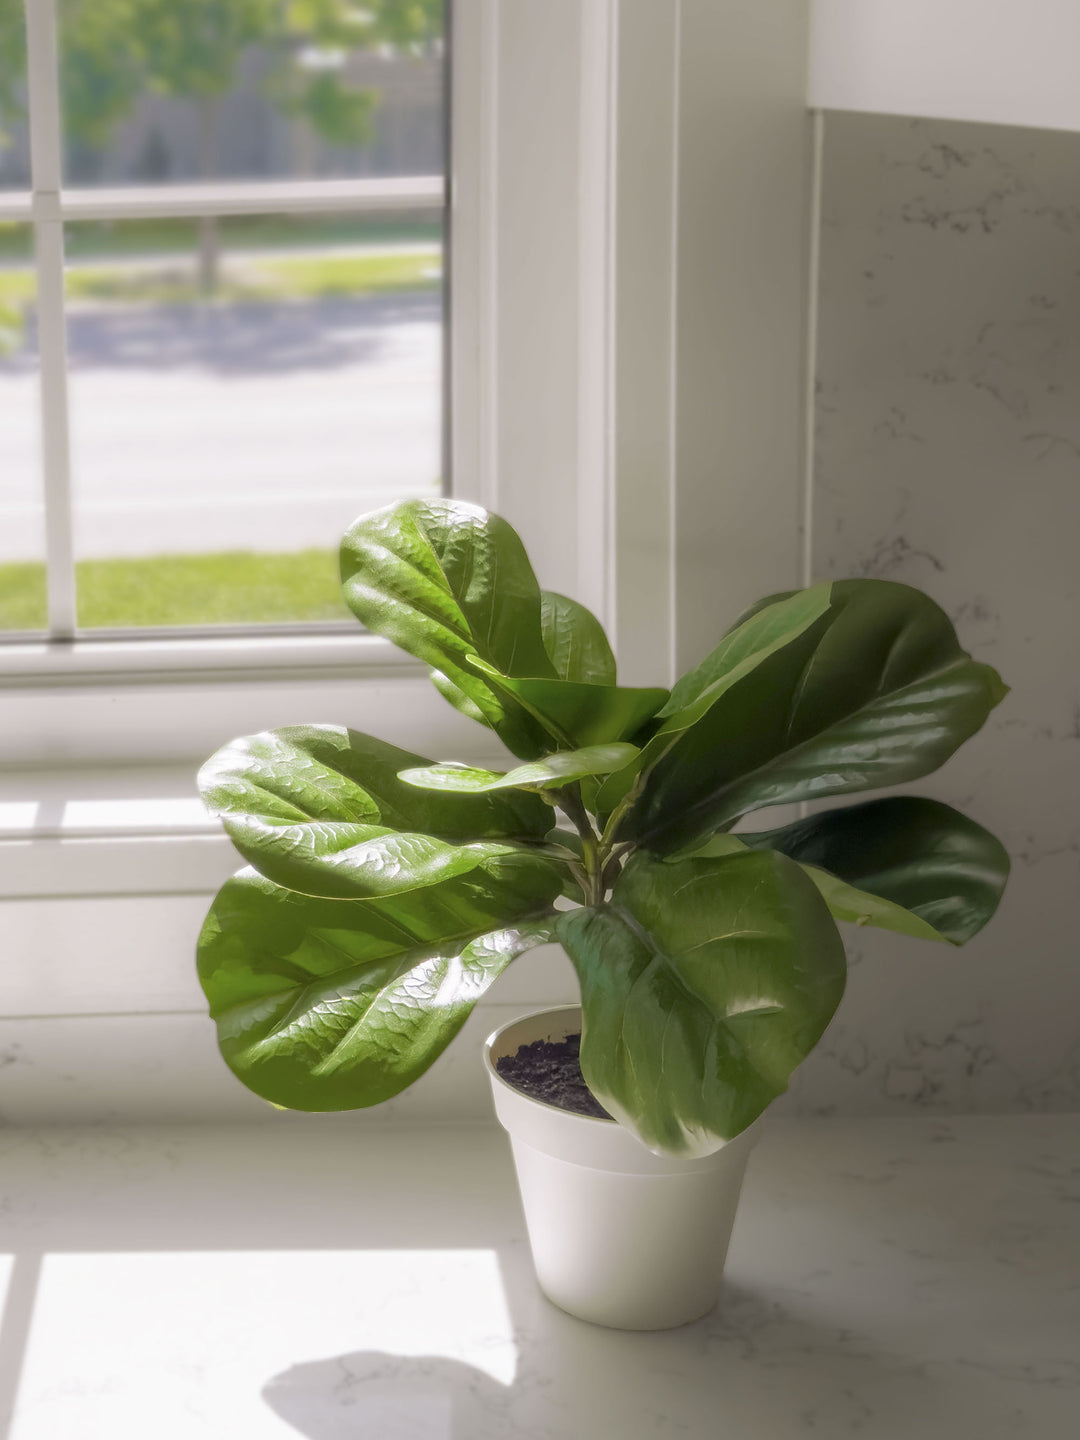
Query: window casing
[{"x": 608, "y": 285}]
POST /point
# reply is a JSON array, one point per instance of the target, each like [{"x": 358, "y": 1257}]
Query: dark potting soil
[{"x": 550, "y": 1070}]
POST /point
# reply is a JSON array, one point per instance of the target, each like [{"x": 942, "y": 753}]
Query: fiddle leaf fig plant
[{"x": 385, "y": 892}]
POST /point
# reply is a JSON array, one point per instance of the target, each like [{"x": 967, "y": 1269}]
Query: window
[
  {"x": 625, "y": 285},
  {"x": 624, "y": 355},
  {"x": 223, "y": 292}
]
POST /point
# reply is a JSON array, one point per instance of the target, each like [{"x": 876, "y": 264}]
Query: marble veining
[
  {"x": 887, "y": 1278},
  {"x": 948, "y": 457}
]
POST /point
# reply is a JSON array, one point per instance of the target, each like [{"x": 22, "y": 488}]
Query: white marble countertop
[{"x": 890, "y": 1278}]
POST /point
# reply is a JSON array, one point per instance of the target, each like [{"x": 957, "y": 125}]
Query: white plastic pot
[{"x": 619, "y": 1236}]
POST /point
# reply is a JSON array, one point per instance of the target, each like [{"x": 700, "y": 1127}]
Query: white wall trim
[
  {"x": 596, "y": 301},
  {"x": 671, "y": 593},
  {"x": 1002, "y": 62},
  {"x": 740, "y": 310},
  {"x": 642, "y": 343},
  {"x": 113, "y": 866},
  {"x": 474, "y": 168},
  {"x": 816, "y": 169}
]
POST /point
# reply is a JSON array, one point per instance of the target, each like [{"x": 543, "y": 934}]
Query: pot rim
[{"x": 491, "y": 1041}]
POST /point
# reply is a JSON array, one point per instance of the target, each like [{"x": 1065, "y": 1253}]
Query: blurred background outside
[{"x": 240, "y": 387}]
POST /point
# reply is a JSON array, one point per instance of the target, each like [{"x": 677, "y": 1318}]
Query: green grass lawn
[
  {"x": 300, "y": 278},
  {"x": 112, "y": 239},
  {"x": 232, "y": 588},
  {"x": 277, "y": 278}
]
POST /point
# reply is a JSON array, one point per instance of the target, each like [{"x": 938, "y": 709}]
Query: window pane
[
  {"x": 22, "y": 521},
  {"x": 171, "y": 90},
  {"x": 14, "y": 145},
  {"x": 241, "y": 390}
]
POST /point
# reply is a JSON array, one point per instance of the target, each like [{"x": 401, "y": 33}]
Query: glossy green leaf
[
  {"x": 758, "y": 635},
  {"x": 326, "y": 772},
  {"x": 457, "y": 697},
  {"x": 454, "y": 778},
  {"x": 561, "y": 768},
  {"x": 902, "y": 863},
  {"x": 575, "y": 641},
  {"x": 756, "y": 608},
  {"x": 321, "y": 809},
  {"x": 446, "y": 580},
  {"x": 845, "y": 902},
  {"x": 336, "y": 1005},
  {"x": 876, "y": 692},
  {"x": 576, "y": 715},
  {"x": 704, "y": 983}
]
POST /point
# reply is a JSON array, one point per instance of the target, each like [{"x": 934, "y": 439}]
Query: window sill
[
  {"x": 130, "y": 658},
  {"x": 86, "y": 827},
  {"x": 108, "y": 832},
  {"x": 102, "y": 805},
  {"x": 124, "y": 703}
]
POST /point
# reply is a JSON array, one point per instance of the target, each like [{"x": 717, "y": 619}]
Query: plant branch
[
  {"x": 580, "y": 878},
  {"x": 570, "y": 800},
  {"x": 615, "y": 818},
  {"x": 593, "y": 853},
  {"x": 549, "y": 851}
]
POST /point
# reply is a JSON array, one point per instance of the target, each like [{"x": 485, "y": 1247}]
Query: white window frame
[
  {"x": 46, "y": 208},
  {"x": 625, "y": 368}
]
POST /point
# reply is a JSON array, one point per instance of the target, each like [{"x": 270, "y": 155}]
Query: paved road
[{"x": 263, "y": 426}]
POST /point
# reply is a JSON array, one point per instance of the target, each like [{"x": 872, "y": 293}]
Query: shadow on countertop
[{"x": 753, "y": 1368}]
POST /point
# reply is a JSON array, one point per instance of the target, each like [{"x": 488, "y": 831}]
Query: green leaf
[
  {"x": 454, "y": 778},
  {"x": 576, "y": 715},
  {"x": 763, "y": 604},
  {"x": 768, "y": 628},
  {"x": 876, "y": 692},
  {"x": 704, "y": 983},
  {"x": 902, "y": 863},
  {"x": 759, "y": 634},
  {"x": 460, "y": 701},
  {"x": 326, "y": 772},
  {"x": 445, "y": 581},
  {"x": 575, "y": 641},
  {"x": 336, "y": 1005},
  {"x": 561, "y": 768},
  {"x": 321, "y": 810},
  {"x": 844, "y": 901}
]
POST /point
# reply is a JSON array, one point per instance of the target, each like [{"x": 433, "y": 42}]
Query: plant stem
[
  {"x": 615, "y": 818},
  {"x": 552, "y": 852},
  {"x": 593, "y": 852},
  {"x": 570, "y": 800}
]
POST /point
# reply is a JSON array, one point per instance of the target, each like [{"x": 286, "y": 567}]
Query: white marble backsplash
[{"x": 948, "y": 457}]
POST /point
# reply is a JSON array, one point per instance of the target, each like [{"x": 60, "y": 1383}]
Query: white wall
[
  {"x": 948, "y": 457},
  {"x": 1005, "y": 62}
]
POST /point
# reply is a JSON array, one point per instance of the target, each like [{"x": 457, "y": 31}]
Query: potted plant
[{"x": 385, "y": 893}]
